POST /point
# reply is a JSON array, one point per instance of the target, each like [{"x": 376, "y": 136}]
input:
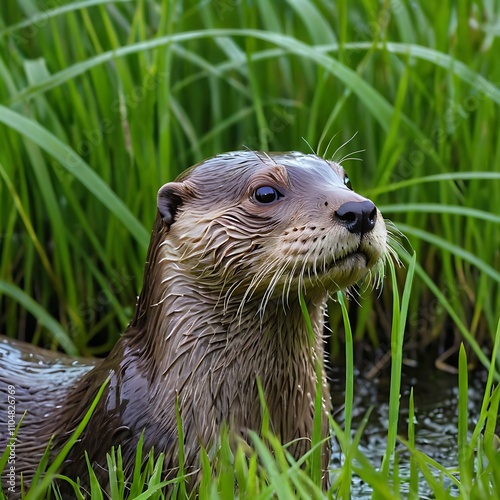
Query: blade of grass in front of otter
[
  {"x": 316, "y": 438},
  {"x": 95, "y": 487},
  {"x": 263, "y": 408},
  {"x": 39, "y": 490},
  {"x": 115, "y": 472},
  {"x": 413, "y": 493},
  {"x": 206, "y": 475},
  {"x": 361, "y": 465},
  {"x": 137, "y": 486},
  {"x": 43, "y": 464},
  {"x": 180, "y": 485},
  {"x": 281, "y": 488},
  {"x": 242, "y": 467},
  {"x": 226, "y": 472},
  {"x": 77, "y": 490},
  {"x": 397, "y": 336},
  {"x": 152, "y": 479},
  {"x": 465, "y": 460},
  {"x": 283, "y": 468},
  {"x": 145, "y": 475},
  {"x": 348, "y": 447},
  {"x": 349, "y": 365},
  {"x": 155, "y": 484},
  {"x": 245, "y": 480}
]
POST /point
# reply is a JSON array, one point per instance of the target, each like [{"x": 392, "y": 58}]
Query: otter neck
[{"x": 213, "y": 354}]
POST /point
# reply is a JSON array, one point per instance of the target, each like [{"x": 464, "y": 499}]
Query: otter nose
[{"x": 357, "y": 216}]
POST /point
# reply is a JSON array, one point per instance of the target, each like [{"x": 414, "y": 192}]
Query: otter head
[{"x": 263, "y": 224}]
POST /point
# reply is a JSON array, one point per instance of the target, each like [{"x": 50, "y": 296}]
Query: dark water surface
[{"x": 436, "y": 412}]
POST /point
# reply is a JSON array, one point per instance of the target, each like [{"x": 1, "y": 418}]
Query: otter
[{"x": 236, "y": 240}]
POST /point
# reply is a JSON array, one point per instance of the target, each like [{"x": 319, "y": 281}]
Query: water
[{"x": 436, "y": 411}]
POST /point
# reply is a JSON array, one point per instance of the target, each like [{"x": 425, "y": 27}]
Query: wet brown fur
[{"x": 218, "y": 310}]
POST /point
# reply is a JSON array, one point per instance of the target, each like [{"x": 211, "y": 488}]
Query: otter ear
[{"x": 170, "y": 198}]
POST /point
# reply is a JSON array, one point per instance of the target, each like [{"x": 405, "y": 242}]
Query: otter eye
[
  {"x": 347, "y": 182},
  {"x": 267, "y": 194}
]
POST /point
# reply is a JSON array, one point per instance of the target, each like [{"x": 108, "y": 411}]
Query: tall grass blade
[
  {"x": 38, "y": 490},
  {"x": 398, "y": 330},
  {"x": 76, "y": 166},
  {"x": 464, "y": 458}
]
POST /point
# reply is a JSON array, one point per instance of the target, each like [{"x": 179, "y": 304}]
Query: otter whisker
[
  {"x": 348, "y": 157},
  {"x": 292, "y": 277},
  {"x": 342, "y": 145},
  {"x": 271, "y": 287},
  {"x": 272, "y": 160},
  {"x": 324, "y": 154},
  {"x": 259, "y": 277},
  {"x": 310, "y": 147}
]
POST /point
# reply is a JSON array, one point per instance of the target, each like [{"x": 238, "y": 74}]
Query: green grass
[{"x": 101, "y": 102}]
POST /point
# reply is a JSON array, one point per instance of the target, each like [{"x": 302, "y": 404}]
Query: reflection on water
[{"x": 436, "y": 410}]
